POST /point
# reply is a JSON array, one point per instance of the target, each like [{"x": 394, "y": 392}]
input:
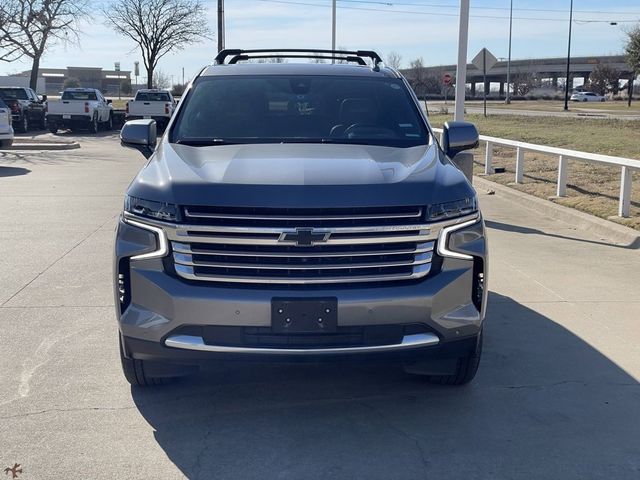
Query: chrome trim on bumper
[{"x": 190, "y": 342}]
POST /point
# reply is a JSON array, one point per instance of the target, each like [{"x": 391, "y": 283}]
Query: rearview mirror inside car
[
  {"x": 141, "y": 135},
  {"x": 459, "y": 136}
]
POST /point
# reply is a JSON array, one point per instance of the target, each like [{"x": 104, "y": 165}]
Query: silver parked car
[
  {"x": 587, "y": 97},
  {"x": 300, "y": 211}
]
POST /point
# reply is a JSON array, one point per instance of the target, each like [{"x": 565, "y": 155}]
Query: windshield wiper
[{"x": 203, "y": 142}]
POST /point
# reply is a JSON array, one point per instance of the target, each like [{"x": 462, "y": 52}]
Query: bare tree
[
  {"x": 417, "y": 76},
  {"x": 29, "y": 27},
  {"x": 393, "y": 60},
  {"x": 158, "y": 27},
  {"x": 632, "y": 49},
  {"x": 525, "y": 82},
  {"x": 317, "y": 58},
  {"x": 160, "y": 79},
  {"x": 604, "y": 79}
]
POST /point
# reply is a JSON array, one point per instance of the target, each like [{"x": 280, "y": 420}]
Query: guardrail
[{"x": 627, "y": 165}]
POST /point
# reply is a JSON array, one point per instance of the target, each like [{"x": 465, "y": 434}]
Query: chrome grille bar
[
  {"x": 190, "y": 249},
  {"x": 183, "y": 259},
  {"x": 417, "y": 213},
  {"x": 189, "y": 273}
]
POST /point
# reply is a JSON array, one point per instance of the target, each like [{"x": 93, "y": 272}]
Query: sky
[{"x": 413, "y": 28}]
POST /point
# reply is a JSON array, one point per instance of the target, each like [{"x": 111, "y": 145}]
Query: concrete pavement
[{"x": 557, "y": 395}]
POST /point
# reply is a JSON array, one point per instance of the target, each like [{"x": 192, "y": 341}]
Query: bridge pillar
[
  {"x": 554, "y": 81},
  {"x": 501, "y": 89},
  {"x": 473, "y": 89}
]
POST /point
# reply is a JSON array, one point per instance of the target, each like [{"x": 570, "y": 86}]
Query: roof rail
[{"x": 355, "y": 56}]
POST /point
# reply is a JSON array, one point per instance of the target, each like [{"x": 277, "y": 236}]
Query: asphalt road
[{"x": 557, "y": 395}]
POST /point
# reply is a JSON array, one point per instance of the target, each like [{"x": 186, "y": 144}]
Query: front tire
[
  {"x": 6, "y": 143},
  {"x": 135, "y": 372},
  {"x": 53, "y": 128},
  {"x": 108, "y": 125},
  {"x": 466, "y": 368}
]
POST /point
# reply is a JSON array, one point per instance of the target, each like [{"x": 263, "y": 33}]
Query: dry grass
[{"x": 590, "y": 188}]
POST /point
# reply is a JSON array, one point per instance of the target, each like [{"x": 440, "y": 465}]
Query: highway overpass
[{"x": 549, "y": 69}]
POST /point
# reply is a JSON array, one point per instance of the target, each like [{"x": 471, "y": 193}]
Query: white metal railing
[{"x": 627, "y": 165}]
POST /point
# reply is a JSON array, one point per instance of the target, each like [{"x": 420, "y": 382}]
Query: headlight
[
  {"x": 459, "y": 208},
  {"x": 150, "y": 209}
]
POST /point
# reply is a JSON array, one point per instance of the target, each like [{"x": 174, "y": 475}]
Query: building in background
[
  {"x": 109, "y": 82},
  {"x": 15, "y": 81}
]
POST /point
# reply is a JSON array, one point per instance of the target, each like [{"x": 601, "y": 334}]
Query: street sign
[
  {"x": 484, "y": 60},
  {"x": 117, "y": 66},
  {"x": 446, "y": 79},
  {"x": 136, "y": 68}
]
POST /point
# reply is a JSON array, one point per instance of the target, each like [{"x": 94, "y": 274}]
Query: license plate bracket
[
  {"x": 304, "y": 315},
  {"x": 66, "y": 116}
]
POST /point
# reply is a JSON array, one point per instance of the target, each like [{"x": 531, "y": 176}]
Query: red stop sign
[{"x": 446, "y": 78}]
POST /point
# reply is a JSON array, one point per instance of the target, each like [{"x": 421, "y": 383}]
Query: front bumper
[{"x": 154, "y": 306}]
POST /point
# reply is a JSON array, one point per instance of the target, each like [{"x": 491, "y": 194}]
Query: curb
[
  {"x": 610, "y": 231},
  {"x": 43, "y": 146}
]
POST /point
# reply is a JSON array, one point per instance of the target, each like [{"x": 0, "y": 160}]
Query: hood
[{"x": 306, "y": 175}]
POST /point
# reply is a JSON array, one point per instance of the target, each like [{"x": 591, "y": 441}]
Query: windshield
[
  {"x": 304, "y": 109},
  {"x": 13, "y": 94},
  {"x": 79, "y": 96},
  {"x": 152, "y": 97}
]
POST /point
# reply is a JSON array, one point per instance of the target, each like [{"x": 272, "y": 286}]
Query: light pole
[
  {"x": 566, "y": 86},
  {"x": 507, "y": 99},
  {"x": 461, "y": 71},
  {"x": 333, "y": 28},
  {"x": 220, "y": 25}
]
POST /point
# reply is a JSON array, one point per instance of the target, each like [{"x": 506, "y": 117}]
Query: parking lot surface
[{"x": 557, "y": 395}]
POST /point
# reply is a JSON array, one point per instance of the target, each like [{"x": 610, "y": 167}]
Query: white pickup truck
[
  {"x": 84, "y": 108},
  {"x": 151, "y": 103}
]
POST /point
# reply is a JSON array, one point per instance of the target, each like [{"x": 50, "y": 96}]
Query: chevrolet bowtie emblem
[{"x": 304, "y": 237}]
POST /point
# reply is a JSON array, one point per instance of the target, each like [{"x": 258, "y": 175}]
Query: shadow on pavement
[
  {"x": 13, "y": 171},
  {"x": 545, "y": 404},
  {"x": 508, "y": 227}
]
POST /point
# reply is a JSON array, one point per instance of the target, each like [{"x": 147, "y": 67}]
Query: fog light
[{"x": 121, "y": 288}]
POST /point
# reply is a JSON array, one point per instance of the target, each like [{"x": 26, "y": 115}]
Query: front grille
[{"x": 252, "y": 246}]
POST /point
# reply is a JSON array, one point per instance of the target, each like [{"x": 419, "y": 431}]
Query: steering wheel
[
  {"x": 357, "y": 126},
  {"x": 367, "y": 129}
]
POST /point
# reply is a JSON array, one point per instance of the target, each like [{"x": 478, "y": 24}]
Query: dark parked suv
[
  {"x": 27, "y": 109},
  {"x": 300, "y": 211}
]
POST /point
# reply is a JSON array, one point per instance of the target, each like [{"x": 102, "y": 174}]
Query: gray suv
[{"x": 300, "y": 212}]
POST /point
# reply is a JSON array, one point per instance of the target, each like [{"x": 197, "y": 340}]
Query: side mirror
[
  {"x": 141, "y": 135},
  {"x": 109, "y": 101},
  {"x": 458, "y": 137},
  {"x": 43, "y": 98}
]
